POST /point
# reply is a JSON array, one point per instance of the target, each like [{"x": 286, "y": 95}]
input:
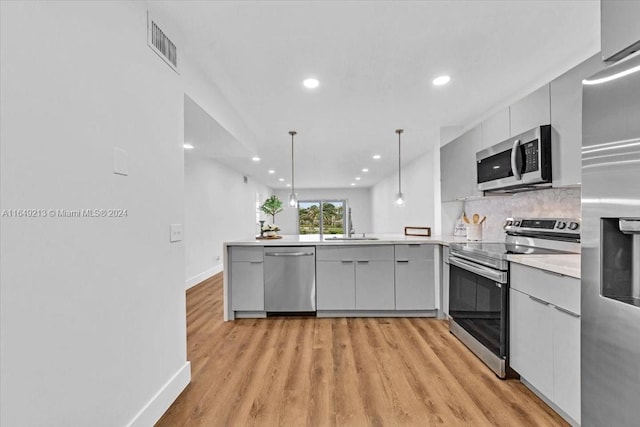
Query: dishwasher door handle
[{"x": 288, "y": 253}]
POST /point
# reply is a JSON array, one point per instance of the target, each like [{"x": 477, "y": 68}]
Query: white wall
[
  {"x": 358, "y": 199},
  {"x": 92, "y": 309},
  {"x": 419, "y": 179},
  {"x": 219, "y": 206}
]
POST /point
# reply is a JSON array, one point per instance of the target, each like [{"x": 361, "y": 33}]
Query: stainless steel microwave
[{"x": 522, "y": 162}]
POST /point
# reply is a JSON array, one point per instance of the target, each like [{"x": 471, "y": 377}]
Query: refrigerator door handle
[{"x": 629, "y": 226}]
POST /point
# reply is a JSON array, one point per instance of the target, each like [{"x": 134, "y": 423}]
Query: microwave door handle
[{"x": 514, "y": 162}]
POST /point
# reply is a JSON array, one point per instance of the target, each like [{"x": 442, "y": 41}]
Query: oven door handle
[{"x": 489, "y": 273}]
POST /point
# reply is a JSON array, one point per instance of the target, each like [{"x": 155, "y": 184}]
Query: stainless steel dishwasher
[{"x": 290, "y": 279}]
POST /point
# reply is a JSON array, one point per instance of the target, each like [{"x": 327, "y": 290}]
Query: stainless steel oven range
[{"x": 479, "y": 282}]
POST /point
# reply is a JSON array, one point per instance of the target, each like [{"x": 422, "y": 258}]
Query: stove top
[{"x": 524, "y": 236}]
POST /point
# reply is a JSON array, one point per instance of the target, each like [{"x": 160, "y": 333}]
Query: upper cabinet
[
  {"x": 566, "y": 121},
  {"x": 620, "y": 28},
  {"x": 458, "y": 166},
  {"x": 495, "y": 129},
  {"x": 531, "y": 111}
]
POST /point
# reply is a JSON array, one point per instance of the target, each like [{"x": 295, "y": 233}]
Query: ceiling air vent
[{"x": 161, "y": 44}]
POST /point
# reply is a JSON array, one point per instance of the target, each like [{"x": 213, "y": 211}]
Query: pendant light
[
  {"x": 293, "y": 197},
  {"x": 400, "y": 201}
]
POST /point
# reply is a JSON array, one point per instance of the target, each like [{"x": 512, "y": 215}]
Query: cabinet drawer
[
  {"x": 562, "y": 291},
  {"x": 413, "y": 252},
  {"x": 355, "y": 253},
  {"x": 239, "y": 253}
]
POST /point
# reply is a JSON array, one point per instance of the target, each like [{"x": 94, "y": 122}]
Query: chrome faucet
[{"x": 350, "y": 229}]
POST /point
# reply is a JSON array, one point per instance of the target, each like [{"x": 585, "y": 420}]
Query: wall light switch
[
  {"x": 120, "y": 161},
  {"x": 176, "y": 233}
]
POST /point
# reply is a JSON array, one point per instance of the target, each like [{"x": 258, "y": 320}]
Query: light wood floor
[{"x": 338, "y": 372}]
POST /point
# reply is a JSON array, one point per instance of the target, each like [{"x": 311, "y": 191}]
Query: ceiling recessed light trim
[
  {"x": 188, "y": 146},
  {"x": 271, "y": 171},
  {"x": 311, "y": 83},
  {"x": 357, "y": 178},
  {"x": 441, "y": 80},
  {"x": 255, "y": 158},
  {"x": 377, "y": 157},
  {"x": 365, "y": 170}
]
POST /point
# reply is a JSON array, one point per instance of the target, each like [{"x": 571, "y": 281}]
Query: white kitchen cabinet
[
  {"x": 458, "y": 166},
  {"x": 566, "y": 362},
  {"x": 355, "y": 277},
  {"x": 247, "y": 279},
  {"x": 374, "y": 285},
  {"x": 544, "y": 316},
  {"x": 415, "y": 277},
  {"x": 496, "y": 128},
  {"x": 531, "y": 111},
  {"x": 619, "y": 28},
  {"x": 335, "y": 285},
  {"x": 531, "y": 341},
  {"x": 566, "y": 122}
]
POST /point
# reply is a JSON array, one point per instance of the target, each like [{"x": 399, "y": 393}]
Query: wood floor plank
[{"x": 338, "y": 372}]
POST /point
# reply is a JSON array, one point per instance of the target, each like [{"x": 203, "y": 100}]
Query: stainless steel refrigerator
[{"x": 610, "y": 322}]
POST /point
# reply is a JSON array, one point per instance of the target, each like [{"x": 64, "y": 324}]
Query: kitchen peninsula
[{"x": 374, "y": 275}]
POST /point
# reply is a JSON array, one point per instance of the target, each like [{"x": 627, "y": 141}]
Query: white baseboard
[
  {"x": 157, "y": 406},
  {"x": 194, "y": 280}
]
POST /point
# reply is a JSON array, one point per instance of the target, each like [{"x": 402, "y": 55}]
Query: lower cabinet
[
  {"x": 247, "y": 278},
  {"x": 336, "y": 285},
  {"x": 545, "y": 335},
  {"x": 355, "y": 277},
  {"x": 374, "y": 285},
  {"x": 415, "y": 277}
]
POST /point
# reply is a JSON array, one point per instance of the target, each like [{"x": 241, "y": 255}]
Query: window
[{"x": 322, "y": 217}]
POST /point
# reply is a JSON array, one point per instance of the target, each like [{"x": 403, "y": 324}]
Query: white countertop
[
  {"x": 568, "y": 264},
  {"x": 381, "y": 239}
]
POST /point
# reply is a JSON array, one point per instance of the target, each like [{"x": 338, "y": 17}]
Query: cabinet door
[
  {"x": 566, "y": 346},
  {"x": 247, "y": 286},
  {"x": 336, "y": 286},
  {"x": 496, "y": 128},
  {"x": 566, "y": 121},
  {"x": 415, "y": 286},
  {"x": 620, "y": 28},
  {"x": 531, "y": 111},
  {"x": 375, "y": 288},
  {"x": 531, "y": 340},
  {"x": 458, "y": 166}
]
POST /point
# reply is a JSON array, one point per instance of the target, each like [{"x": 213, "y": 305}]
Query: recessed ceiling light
[
  {"x": 288, "y": 185},
  {"x": 441, "y": 80},
  {"x": 353, "y": 183},
  {"x": 311, "y": 83},
  {"x": 365, "y": 170},
  {"x": 255, "y": 158},
  {"x": 376, "y": 157},
  {"x": 357, "y": 178},
  {"x": 271, "y": 171},
  {"x": 281, "y": 179},
  {"x": 188, "y": 147}
]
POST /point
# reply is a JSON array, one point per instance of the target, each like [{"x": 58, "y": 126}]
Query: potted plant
[{"x": 272, "y": 206}]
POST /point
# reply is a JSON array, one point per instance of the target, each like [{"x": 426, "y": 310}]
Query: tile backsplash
[{"x": 553, "y": 202}]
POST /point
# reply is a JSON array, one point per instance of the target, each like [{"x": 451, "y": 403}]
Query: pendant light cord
[
  {"x": 399, "y": 131},
  {"x": 293, "y": 181}
]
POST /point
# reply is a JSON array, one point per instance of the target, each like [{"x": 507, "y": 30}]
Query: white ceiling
[{"x": 375, "y": 62}]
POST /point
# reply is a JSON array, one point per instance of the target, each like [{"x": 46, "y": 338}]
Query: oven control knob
[
  {"x": 561, "y": 225},
  {"x": 509, "y": 223},
  {"x": 516, "y": 223},
  {"x": 574, "y": 226}
]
